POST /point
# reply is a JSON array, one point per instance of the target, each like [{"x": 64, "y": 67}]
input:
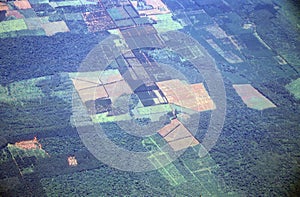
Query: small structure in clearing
[{"x": 72, "y": 161}]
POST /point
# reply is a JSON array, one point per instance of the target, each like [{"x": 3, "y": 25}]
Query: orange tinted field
[
  {"x": 3, "y": 6},
  {"x": 191, "y": 96},
  {"x": 29, "y": 144},
  {"x": 177, "y": 136},
  {"x": 14, "y": 13},
  {"x": 22, "y": 4}
]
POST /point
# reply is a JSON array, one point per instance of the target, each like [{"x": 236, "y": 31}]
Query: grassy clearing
[
  {"x": 294, "y": 88},
  {"x": 21, "y": 90},
  {"x": 102, "y": 118},
  {"x": 164, "y": 108},
  {"x": 12, "y": 25},
  {"x": 166, "y": 23}
]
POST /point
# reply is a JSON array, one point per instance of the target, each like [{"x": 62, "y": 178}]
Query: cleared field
[
  {"x": 12, "y": 25},
  {"x": 3, "y": 6},
  {"x": 165, "y": 108},
  {"x": 177, "y": 136},
  {"x": 92, "y": 93},
  {"x": 100, "y": 84},
  {"x": 191, "y": 96},
  {"x": 14, "y": 13},
  {"x": 252, "y": 98},
  {"x": 24, "y": 4},
  {"x": 117, "y": 89},
  {"x": 52, "y": 28}
]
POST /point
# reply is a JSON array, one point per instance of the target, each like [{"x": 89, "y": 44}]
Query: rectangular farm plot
[
  {"x": 93, "y": 93},
  {"x": 14, "y": 13},
  {"x": 252, "y": 98},
  {"x": 101, "y": 84},
  {"x": 98, "y": 21},
  {"x": 12, "y": 25},
  {"x": 191, "y": 96},
  {"x": 117, "y": 89},
  {"x": 118, "y": 13},
  {"x": 110, "y": 76},
  {"x": 177, "y": 135},
  {"x": 3, "y": 6},
  {"x": 129, "y": 9},
  {"x": 83, "y": 84},
  {"x": 22, "y": 5},
  {"x": 52, "y": 28},
  {"x": 139, "y": 36}
]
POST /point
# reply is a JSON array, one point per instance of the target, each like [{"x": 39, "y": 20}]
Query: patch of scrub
[
  {"x": 12, "y": 25},
  {"x": 21, "y": 90},
  {"x": 166, "y": 23},
  {"x": 103, "y": 117}
]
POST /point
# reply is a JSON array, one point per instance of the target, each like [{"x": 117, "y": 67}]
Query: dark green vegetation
[
  {"x": 44, "y": 55},
  {"x": 258, "y": 151}
]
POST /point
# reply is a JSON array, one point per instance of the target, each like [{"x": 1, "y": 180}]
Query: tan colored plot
[
  {"x": 191, "y": 96},
  {"x": 29, "y": 144},
  {"x": 204, "y": 102},
  {"x": 110, "y": 78},
  {"x": 55, "y": 27},
  {"x": 14, "y": 13},
  {"x": 169, "y": 127},
  {"x": 89, "y": 79},
  {"x": 117, "y": 89},
  {"x": 91, "y": 94},
  {"x": 3, "y": 6},
  {"x": 22, "y": 5},
  {"x": 252, "y": 98},
  {"x": 182, "y": 143},
  {"x": 83, "y": 84},
  {"x": 177, "y": 135},
  {"x": 100, "y": 84}
]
